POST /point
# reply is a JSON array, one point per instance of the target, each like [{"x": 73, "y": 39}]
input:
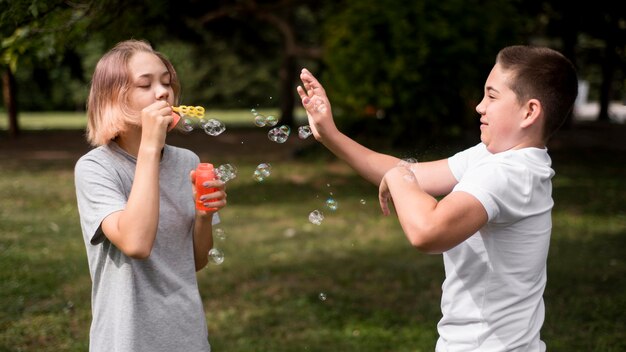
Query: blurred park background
[{"x": 403, "y": 76}]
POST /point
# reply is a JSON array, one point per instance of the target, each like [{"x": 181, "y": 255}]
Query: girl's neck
[{"x": 130, "y": 141}]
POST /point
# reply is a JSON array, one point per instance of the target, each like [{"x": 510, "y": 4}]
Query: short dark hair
[{"x": 546, "y": 75}]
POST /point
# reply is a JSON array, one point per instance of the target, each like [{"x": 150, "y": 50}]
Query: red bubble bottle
[
  {"x": 204, "y": 173},
  {"x": 180, "y": 124}
]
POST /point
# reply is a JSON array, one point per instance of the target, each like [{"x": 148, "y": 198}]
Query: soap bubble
[
  {"x": 257, "y": 176},
  {"x": 262, "y": 171},
  {"x": 220, "y": 234},
  {"x": 304, "y": 132},
  {"x": 214, "y": 127},
  {"x": 271, "y": 120},
  {"x": 226, "y": 172},
  {"x": 259, "y": 120},
  {"x": 407, "y": 162},
  {"x": 279, "y": 134},
  {"x": 216, "y": 255},
  {"x": 187, "y": 125},
  {"x": 316, "y": 217},
  {"x": 332, "y": 204},
  {"x": 265, "y": 169}
]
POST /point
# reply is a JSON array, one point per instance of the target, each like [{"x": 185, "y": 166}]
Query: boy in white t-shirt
[{"x": 493, "y": 223}]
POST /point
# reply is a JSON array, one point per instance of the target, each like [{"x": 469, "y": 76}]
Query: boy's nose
[{"x": 479, "y": 109}]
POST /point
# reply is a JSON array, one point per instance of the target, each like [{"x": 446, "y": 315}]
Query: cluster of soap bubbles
[
  {"x": 304, "y": 131},
  {"x": 409, "y": 164},
  {"x": 192, "y": 117},
  {"x": 226, "y": 172},
  {"x": 279, "y": 134},
  {"x": 262, "y": 120},
  {"x": 215, "y": 254},
  {"x": 212, "y": 127},
  {"x": 262, "y": 172}
]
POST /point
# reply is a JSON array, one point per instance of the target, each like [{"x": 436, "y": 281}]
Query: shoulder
[
  {"x": 97, "y": 157},
  {"x": 460, "y": 162}
]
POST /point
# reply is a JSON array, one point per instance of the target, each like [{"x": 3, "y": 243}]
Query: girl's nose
[{"x": 162, "y": 93}]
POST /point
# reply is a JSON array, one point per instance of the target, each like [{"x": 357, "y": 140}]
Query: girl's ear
[{"x": 534, "y": 110}]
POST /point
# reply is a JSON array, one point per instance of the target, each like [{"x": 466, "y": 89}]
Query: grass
[{"x": 380, "y": 295}]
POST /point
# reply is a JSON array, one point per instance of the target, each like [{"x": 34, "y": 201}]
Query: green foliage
[
  {"x": 39, "y": 30},
  {"x": 215, "y": 74},
  {"x": 420, "y": 64}
]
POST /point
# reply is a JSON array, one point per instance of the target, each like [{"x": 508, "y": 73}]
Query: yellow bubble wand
[{"x": 191, "y": 111}]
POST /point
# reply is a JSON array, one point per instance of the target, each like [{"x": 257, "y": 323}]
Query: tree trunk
[
  {"x": 607, "y": 76},
  {"x": 8, "y": 89},
  {"x": 570, "y": 39},
  {"x": 287, "y": 100}
]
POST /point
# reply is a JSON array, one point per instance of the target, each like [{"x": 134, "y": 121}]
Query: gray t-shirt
[{"x": 141, "y": 305}]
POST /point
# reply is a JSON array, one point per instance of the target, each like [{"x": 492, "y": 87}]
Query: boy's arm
[
  {"x": 368, "y": 163},
  {"x": 435, "y": 177},
  {"x": 431, "y": 226}
]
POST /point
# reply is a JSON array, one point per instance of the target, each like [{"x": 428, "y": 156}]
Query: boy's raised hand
[{"x": 316, "y": 104}]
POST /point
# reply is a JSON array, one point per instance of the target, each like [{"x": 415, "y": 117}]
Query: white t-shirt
[{"x": 492, "y": 296}]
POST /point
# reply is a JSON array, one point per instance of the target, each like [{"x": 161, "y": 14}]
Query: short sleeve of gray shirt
[{"x": 151, "y": 304}]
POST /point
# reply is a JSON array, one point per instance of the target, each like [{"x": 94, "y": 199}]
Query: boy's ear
[{"x": 534, "y": 110}]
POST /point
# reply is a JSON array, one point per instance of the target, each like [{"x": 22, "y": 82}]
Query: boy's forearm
[{"x": 369, "y": 164}]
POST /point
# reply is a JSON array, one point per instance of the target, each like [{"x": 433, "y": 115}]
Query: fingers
[
  {"x": 157, "y": 113},
  {"x": 311, "y": 84},
  {"x": 214, "y": 199},
  {"x": 303, "y": 95},
  {"x": 383, "y": 197}
]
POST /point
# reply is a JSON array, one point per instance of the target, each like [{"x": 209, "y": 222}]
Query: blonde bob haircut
[{"x": 107, "y": 105}]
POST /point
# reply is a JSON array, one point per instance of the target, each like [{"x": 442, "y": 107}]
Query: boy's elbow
[{"x": 424, "y": 239}]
